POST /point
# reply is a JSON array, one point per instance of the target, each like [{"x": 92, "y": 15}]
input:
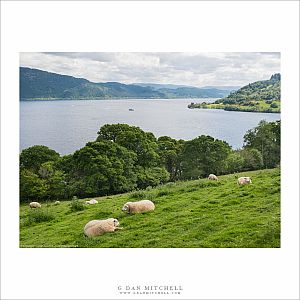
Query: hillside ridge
[
  {"x": 259, "y": 96},
  {"x": 42, "y": 85}
]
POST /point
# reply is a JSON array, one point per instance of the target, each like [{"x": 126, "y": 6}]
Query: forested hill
[
  {"x": 268, "y": 90},
  {"x": 259, "y": 96},
  {"x": 41, "y": 85}
]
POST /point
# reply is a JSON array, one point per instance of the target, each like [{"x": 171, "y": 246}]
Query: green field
[
  {"x": 250, "y": 106},
  {"x": 191, "y": 214}
]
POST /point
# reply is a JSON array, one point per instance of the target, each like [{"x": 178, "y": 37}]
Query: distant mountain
[
  {"x": 222, "y": 87},
  {"x": 193, "y": 92},
  {"x": 42, "y": 85},
  {"x": 207, "y": 91},
  {"x": 37, "y": 84},
  {"x": 259, "y": 96},
  {"x": 158, "y": 86}
]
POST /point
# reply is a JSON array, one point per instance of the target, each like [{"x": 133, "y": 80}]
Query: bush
[
  {"x": 163, "y": 193},
  {"x": 76, "y": 205},
  {"x": 274, "y": 105},
  {"x": 39, "y": 215},
  {"x": 138, "y": 195}
]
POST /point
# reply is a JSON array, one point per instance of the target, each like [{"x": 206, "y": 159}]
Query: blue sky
[{"x": 187, "y": 68}]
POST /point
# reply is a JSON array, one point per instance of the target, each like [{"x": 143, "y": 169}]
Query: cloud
[{"x": 189, "y": 68}]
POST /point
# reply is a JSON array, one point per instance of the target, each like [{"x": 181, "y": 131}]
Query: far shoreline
[
  {"x": 99, "y": 99},
  {"x": 238, "y": 110}
]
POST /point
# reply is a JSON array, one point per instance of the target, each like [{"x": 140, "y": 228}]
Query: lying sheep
[
  {"x": 56, "y": 202},
  {"x": 244, "y": 180},
  {"x": 92, "y": 201},
  {"x": 99, "y": 227},
  {"x": 35, "y": 205},
  {"x": 138, "y": 207},
  {"x": 213, "y": 177}
]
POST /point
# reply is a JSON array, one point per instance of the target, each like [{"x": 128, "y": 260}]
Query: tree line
[{"x": 124, "y": 158}]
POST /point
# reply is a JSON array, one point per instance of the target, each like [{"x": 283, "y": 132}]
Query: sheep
[
  {"x": 213, "y": 177},
  {"x": 92, "y": 201},
  {"x": 244, "y": 180},
  {"x": 56, "y": 202},
  {"x": 35, "y": 205},
  {"x": 99, "y": 227},
  {"x": 138, "y": 207}
]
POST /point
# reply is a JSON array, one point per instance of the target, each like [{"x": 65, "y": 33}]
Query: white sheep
[
  {"x": 35, "y": 205},
  {"x": 244, "y": 180},
  {"x": 213, "y": 177},
  {"x": 99, "y": 227},
  {"x": 92, "y": 201},
  {"x": 138, "y": 207},
  {"x": 56, "y": 202}
]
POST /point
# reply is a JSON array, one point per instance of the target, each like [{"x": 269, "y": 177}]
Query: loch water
[{"x": 67, "y": 125}]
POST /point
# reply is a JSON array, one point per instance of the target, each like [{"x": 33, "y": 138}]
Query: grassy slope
[
  {"x": 198, "y": 213},
  {"x": 259, "y": 96},
  {"x": 258, "y": 106}
]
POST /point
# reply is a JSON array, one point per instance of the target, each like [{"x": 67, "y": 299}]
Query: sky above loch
[{"x": 184, "y": 68}]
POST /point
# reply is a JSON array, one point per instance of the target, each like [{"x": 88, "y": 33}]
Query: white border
[{"x": 150, "y": 26}]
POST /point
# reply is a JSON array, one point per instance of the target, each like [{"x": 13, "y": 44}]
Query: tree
[
  {"x": 102, "y": 168},
  {"x": 266, "y": 139},
  {"x": 57, "y": 185},
  {"x": 252, "y": 159},
  {"x": 234, "y": 162},
  {"x": 204, "y": 155},
  {"x": 151, "y": 176},
  {"x": 32, "y": 157},
  {"x": 133, "y": 138},
  {"x": 32, "y": 187},
  {"x": 169, "y": 151}
]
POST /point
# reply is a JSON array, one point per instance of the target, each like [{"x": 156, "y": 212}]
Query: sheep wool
[
  {"x": 99, "y": 227},
  {"x": 138, "y": 207},
  {"x": 92, "y": 201},
  {"x": 213, "y": 177},
  {"x": 244, "y": 180},
  {"x": 35, "y": 205}
]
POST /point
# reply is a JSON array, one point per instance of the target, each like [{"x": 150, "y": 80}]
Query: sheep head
[
  {"x": 126, "y": 208},
  {"x": 116, "y": 223}
]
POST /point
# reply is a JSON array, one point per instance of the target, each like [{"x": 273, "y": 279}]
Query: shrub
[
  {"x": 170, "y": 184},
  {"x": 274, "y": 105},
  {"x": 163, "y": 193},
  {"x": 138, "y": 195},
  {"x": 39, "y": 215},
  {"x": 76, "y": 205}
]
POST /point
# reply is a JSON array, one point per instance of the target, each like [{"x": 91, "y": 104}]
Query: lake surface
[{"x": 66, "y": 126}]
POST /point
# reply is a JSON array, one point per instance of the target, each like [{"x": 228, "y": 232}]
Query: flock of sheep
[{"x": 99, "y": 227}]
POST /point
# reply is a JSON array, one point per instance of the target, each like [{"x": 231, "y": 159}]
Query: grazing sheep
[
  {"x": 99, "y": 227},
  {"x": 244, "y": 180},
  {"x": 138, "y": 207},
  {"x": 35, "y": 205},
  {"x": 213, "y": 177},
  {"x": 56, "y": 202},
  {"x": 92, "y": 201}
]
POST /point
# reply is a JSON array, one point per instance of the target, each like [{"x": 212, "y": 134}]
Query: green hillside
[
  {"x": 191, "y": 214},
  {"x": 41, "y": 85},
  {"x": 260, "y": 96}
]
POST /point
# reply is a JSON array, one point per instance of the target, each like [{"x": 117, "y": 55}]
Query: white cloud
[{"x": 196, "y": 69}]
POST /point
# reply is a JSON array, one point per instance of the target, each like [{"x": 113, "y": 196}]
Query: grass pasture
[{"x": 191, "y": 214}]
